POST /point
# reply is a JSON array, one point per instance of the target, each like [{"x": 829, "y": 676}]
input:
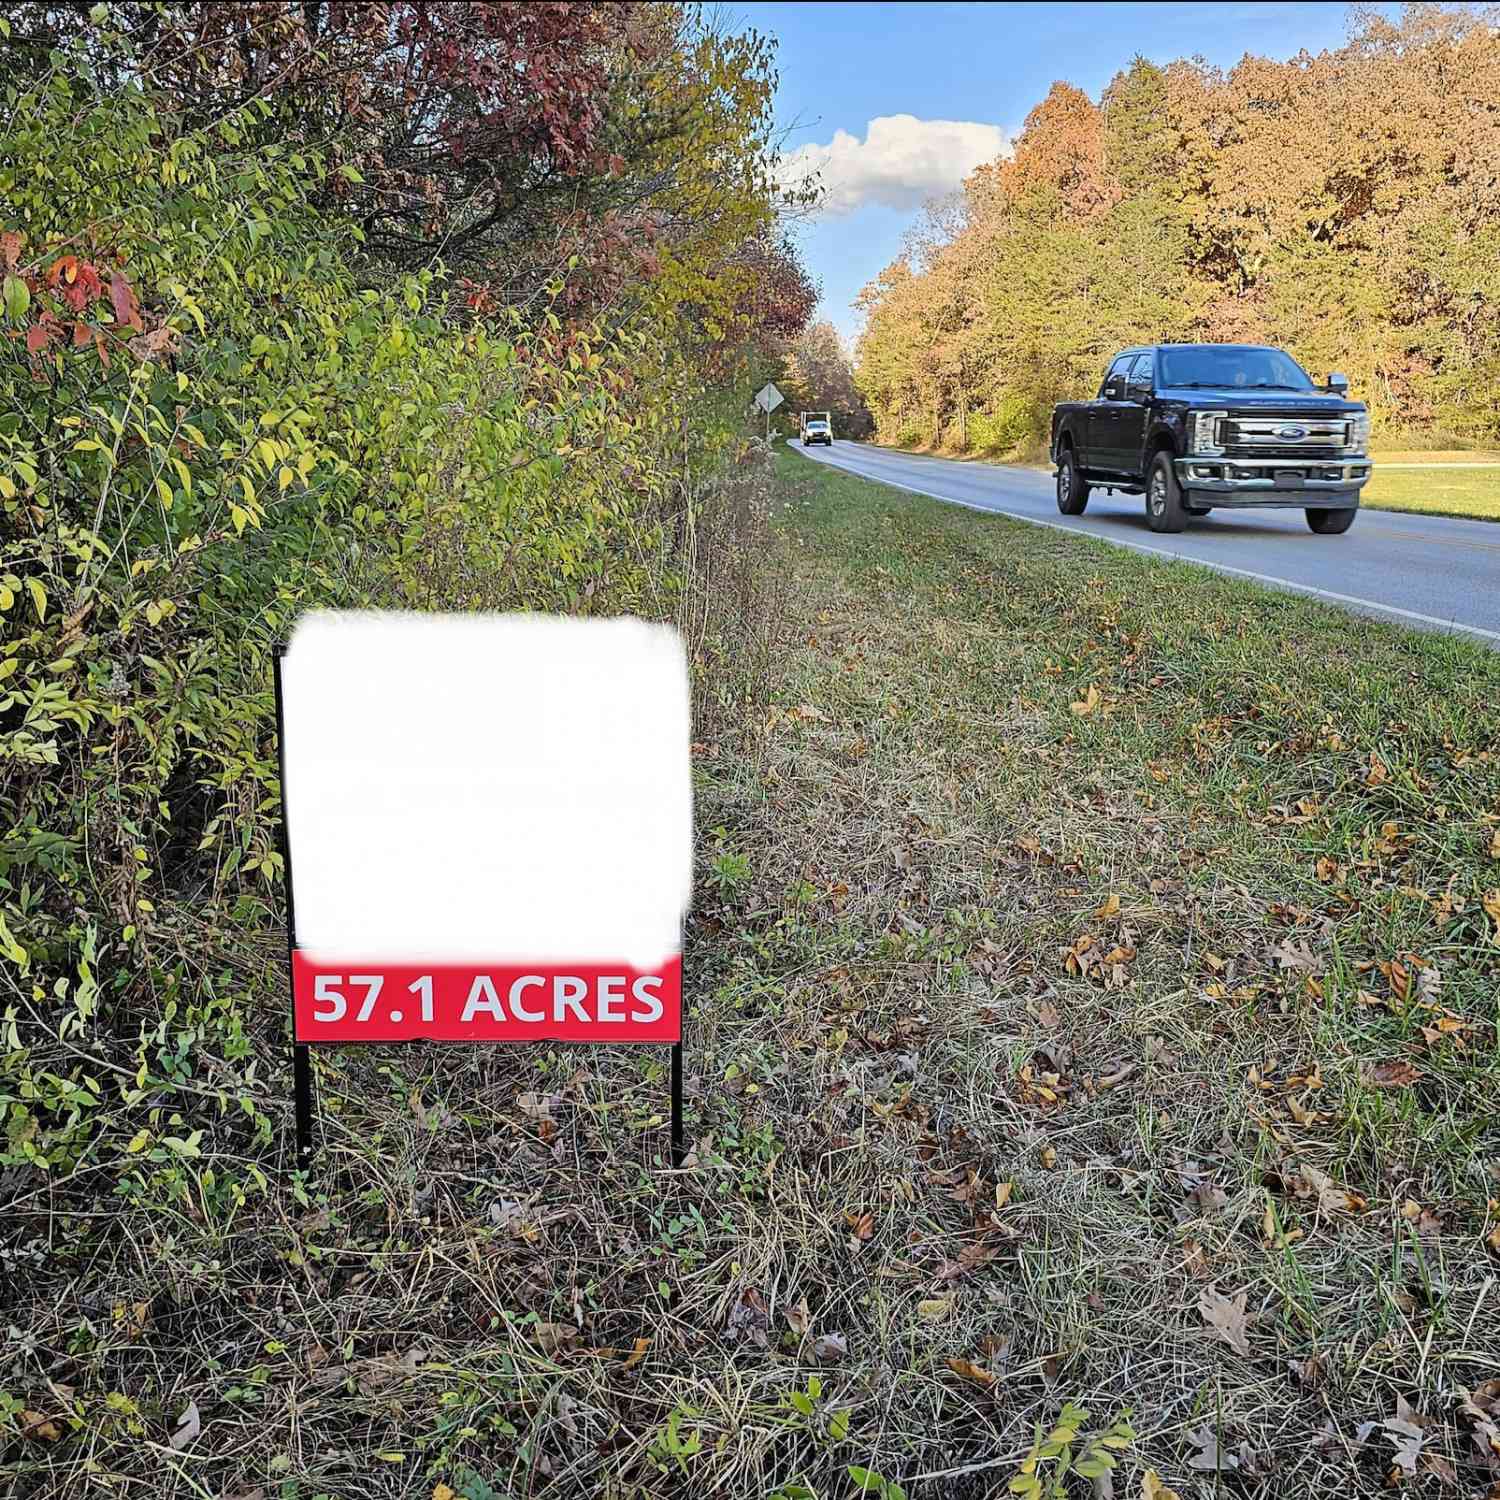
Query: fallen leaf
[
  {"x": 749, "y": 1318},
  {"x": 538, "y": 1106},
  {"x": 1308, "y": 1372},
  {"x": 1153, "y": 1489},
  {"x": 636, "y": 1355},
  {"x": 1490, "y": 901},
  {"x": 1292, "y": 955},
  {"x": 935, "y": 1308},
  {"x": 39, "y": 1427},
  {"x": 1395, "y": 1074},
  {"x": 861, "y": 1226},
  {"x": 1378, "y": 772},
  {"x": 189, "y": 1425},
  {"x": 1209, "y": 1458},
  {"x": 970, "y": 1371},
  {"x": 1332, "y": 1198},
  {"x": 1089, "y": 702},
  {"x": 1226, "y": 1317},
  {"x": 827, "y": 1348},
  {"x": 552, "y": 1337},
  {"x": 1003, "y": 1190},
  {"x": 972, "y": 1256},
  {"x": 1407, "y": 1437},
  {"x": 441, "y": 1491},
  {"x": 1210, "y": 1197},
  {"x": 1423, "y": 1220},
  {"x": 1111, "y": 907},
  {"x": 1481, "y": 1408},
  {"x": 506, "y": 1213},
  {"x": 1048, "y": 1157},
  {"x": 799, "y": 1319}
]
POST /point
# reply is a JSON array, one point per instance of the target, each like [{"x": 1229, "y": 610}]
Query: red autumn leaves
[{"x": 63, "y": 299}]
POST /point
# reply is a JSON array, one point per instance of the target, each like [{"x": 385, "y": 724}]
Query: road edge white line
[{"x": 1451, "y": 626}]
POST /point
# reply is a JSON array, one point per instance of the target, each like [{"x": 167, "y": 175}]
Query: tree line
[
  {"x": 1345, "y": 206},
  {"x": 814, "y": 372}
]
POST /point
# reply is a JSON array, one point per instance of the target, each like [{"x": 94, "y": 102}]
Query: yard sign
[{"x": 488, "y": 832}]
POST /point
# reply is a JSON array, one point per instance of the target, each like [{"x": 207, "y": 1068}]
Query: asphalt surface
[{"x": 1433, "y": 572}]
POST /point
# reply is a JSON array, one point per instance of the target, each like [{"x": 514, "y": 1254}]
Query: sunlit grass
[{"x": 1447, "y": 491}]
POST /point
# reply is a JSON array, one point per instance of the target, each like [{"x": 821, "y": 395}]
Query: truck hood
[{"x": 1312, "y": 402}]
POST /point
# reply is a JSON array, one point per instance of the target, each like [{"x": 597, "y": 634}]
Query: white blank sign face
[{"x": 468, "y": 788}]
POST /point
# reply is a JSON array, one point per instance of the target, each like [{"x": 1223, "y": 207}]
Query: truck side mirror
[
  {"x": 1338, "y": 384},
  {"x": 1114, "y": 390}
]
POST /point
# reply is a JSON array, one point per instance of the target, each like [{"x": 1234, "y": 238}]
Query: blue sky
[{"x": 980, "y": 66}]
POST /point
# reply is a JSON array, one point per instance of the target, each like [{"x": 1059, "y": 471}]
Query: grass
[
  {"x": 1436, "y": 490},
  {"x": 1081, "y": 939}
]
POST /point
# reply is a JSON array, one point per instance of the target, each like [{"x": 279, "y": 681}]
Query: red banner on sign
[{"x": 380, "y": 1002}]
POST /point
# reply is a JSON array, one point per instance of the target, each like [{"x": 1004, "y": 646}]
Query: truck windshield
[{"x": 1217, "y": 366}]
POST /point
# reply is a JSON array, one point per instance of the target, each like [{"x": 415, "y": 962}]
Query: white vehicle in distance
[{"x": 816, "y": 428}]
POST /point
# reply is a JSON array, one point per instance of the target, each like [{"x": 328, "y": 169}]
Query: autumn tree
[
  {"x": 819, "y": 376},
  {"x": 1345, "y": 206},
  {"x": 610, "y": 157}
]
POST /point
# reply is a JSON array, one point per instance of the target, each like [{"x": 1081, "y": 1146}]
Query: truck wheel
[
  {"x": 1072, "y": 492},
  {"x": 1331, "y": 522},
  {"x": 1164, "y": 508}
]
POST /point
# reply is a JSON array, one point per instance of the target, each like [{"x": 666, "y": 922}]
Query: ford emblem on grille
[{"x": 1291, "y": 434}]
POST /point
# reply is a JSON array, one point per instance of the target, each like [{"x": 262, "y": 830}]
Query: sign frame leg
[
  {"x": 302, "y": 1084},
  {"x": 678, "y": 1148},
  {"x": 302, "y": 1074}
]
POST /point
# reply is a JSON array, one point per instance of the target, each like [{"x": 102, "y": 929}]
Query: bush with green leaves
[{"x": 212, "y": 420}]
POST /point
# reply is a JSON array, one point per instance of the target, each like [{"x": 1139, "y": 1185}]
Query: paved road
[{"x": 1437, "y": 572}]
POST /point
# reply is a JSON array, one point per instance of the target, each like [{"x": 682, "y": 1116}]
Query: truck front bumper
[{"x": 1274, "y": 481}]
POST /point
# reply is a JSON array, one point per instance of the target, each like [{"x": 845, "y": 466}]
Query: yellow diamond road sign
[{"x": 768, "y": 398}]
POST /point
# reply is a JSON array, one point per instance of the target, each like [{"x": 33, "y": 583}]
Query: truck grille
[{"x": 1291, "y": 435}]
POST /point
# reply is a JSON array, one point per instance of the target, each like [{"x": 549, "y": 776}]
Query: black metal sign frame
[{"x": 302, "y": 1076}]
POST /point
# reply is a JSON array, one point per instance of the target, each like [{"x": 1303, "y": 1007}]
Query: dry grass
[{"x": 944, "y": 1180}]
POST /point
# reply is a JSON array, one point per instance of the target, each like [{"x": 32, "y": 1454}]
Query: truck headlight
[
  {"x": 1204, "y": 434},
  {"x": 1359, "y": 432}
]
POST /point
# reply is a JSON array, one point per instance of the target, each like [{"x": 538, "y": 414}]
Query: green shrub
[
  {"x": 211, "y": 422},
  {"x": 1013, "y": 419}
]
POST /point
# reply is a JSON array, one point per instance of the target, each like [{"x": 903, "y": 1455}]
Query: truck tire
[
  {"x": 1331, "y": 522},
  {"x": 1072, "y": 492},
  {"x": 1164, "y": 508}
]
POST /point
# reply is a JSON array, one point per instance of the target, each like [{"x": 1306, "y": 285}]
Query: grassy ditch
[{"x": 1095, "y": 975}]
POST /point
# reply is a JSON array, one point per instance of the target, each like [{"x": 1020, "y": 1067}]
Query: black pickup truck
[{"x": 1196, "y": 426}]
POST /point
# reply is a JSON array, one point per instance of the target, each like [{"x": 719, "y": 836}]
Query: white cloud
[{"x": 901, "y": 162}]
